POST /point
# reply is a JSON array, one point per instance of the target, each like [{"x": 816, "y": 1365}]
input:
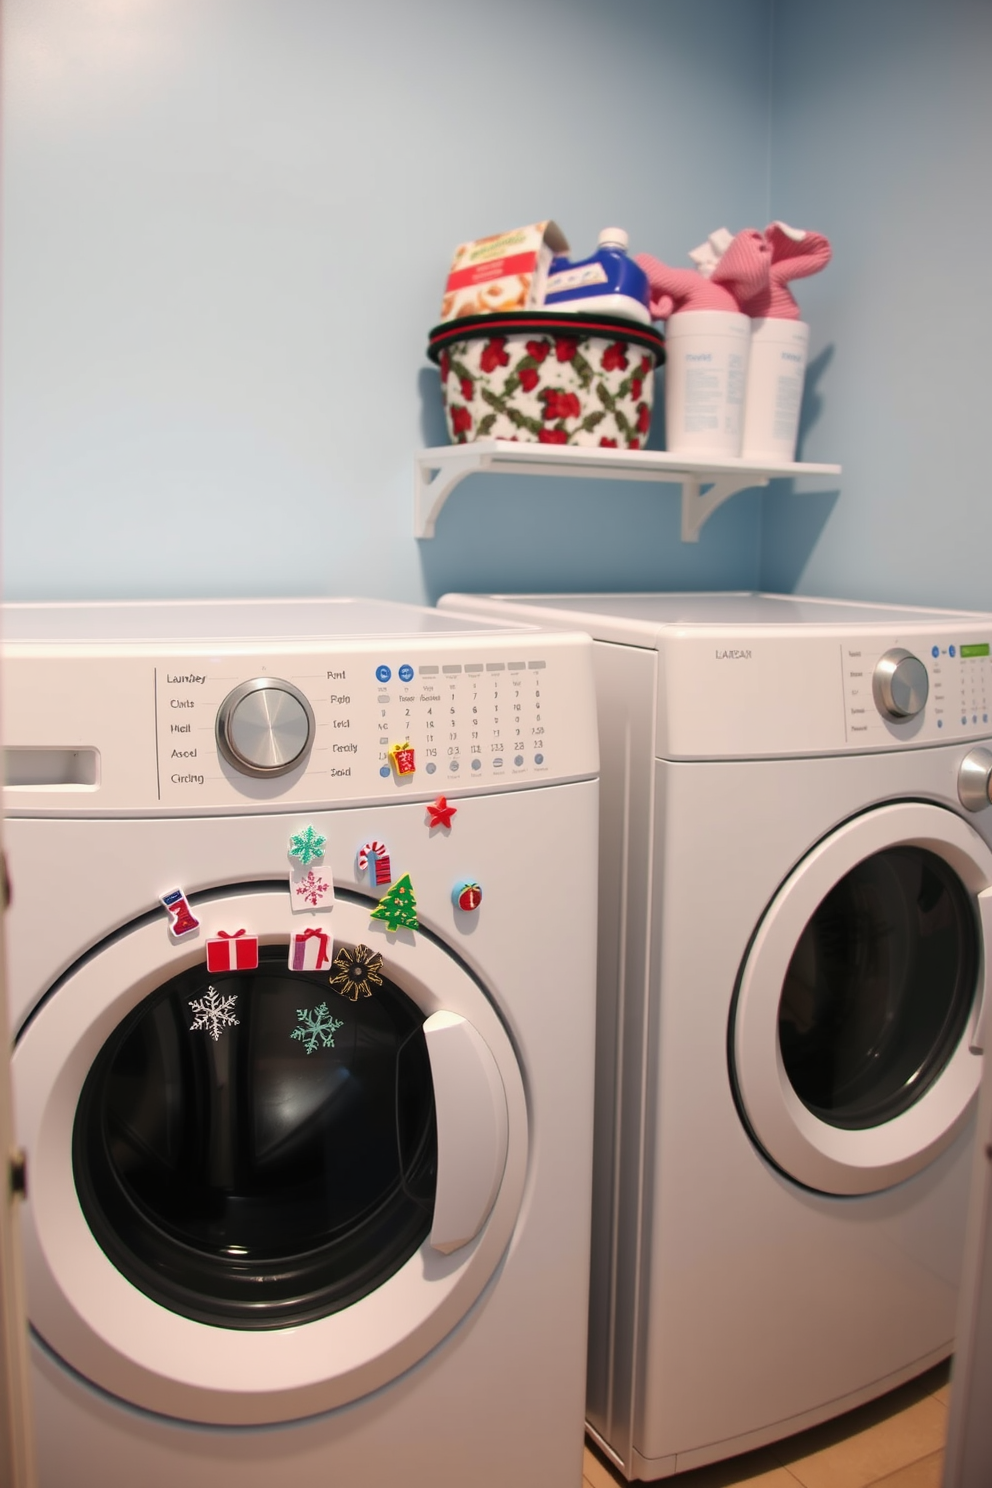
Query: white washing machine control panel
[
  {"x": 378, "y": 720},
  {"x": 767, "y": 693}
]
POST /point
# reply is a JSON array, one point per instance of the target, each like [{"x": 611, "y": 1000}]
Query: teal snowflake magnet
[
  {"x": 307, "y": 845},
  {"x": 317, "y": 1028}
]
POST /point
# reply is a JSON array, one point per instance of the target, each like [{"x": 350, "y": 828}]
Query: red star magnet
[{"x": 440, "y": 813}]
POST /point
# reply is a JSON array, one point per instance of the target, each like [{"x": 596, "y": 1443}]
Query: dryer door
[
  {"x": 253, "y": 1198},
  {"x": 859, "y": 1006}
]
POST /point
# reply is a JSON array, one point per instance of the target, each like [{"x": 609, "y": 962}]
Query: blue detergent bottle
[{"x": 609, "y": 282}]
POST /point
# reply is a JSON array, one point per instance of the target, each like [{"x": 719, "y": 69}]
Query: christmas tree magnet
[
  {"x": 309, "y": 950},
  {"x": 237, "y": 952},
  {"x": 357, "y": 969},
  {"x": 375, "y": 858},
  {"x": 307, "y": 846},
  {"x": 439, "y": 813},
  {"x": 466, "y": 895},
  {"x": 214, "y": 1014},
  {"x": 181, "y": 919},
  {"x": 398, "y": 906},
  {"x": 402, "y": 760},
  {"x": 317, "y": 1028}
]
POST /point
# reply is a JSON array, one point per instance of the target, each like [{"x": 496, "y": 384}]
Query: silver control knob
[
  {"x": 975, "y": 780},
  {"x": 265, "y": 727},
  {"x": 900, "y": 685}
]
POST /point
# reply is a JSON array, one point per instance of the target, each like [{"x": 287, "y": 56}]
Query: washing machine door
[
  {"x": 252, "y": 1198},
  {"x": 858, "y": 1013}
]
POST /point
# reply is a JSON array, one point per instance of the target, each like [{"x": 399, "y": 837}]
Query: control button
[
  {"x": 476, "y": 764},
  {"x": 952, "y": 651},
  {"x": 265, "y": 727},
  {"x": 498, "y": 762},
  {"x": 975, "y": 780},
  {"x": 940, "y": 723},
  {"x": 406, "y": 673},
  {"x": 934, "y": 651},
  {"x": 518, "y": 759},
  {"x": 383, "y": 673},
  {"x": 430, "y": 768},
  {"x": 900, "y": 685},
  {"x": 964, "y": 720},
  {"x": 453, "y": 765},
  {"x": 539, "y": 759},
  {"x": 385, "y": 771}
]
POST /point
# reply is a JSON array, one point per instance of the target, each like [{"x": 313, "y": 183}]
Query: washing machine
[
  {"x": 302, "y": 963},
  {"x": 795, "y": 908}
]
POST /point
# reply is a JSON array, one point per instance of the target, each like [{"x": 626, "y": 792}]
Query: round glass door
[
  {"x": 849, "y": 1040},
  {"x": 281, "y": 1219},
  {"x": 250, "y": 1162},
  {"x": 879, "y": 988}
]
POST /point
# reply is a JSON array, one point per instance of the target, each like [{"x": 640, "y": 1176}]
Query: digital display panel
[{"x": 981, "y": 650}]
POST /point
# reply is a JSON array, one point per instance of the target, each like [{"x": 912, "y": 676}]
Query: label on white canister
[
  {"x": 775, "y": 389},
  {"x": 705, "y": 381}
]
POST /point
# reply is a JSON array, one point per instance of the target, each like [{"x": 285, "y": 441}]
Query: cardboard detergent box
[{"x": 505, "y": 272}]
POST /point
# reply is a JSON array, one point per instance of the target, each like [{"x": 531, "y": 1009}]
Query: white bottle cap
[{"x": 613, "y": 237}]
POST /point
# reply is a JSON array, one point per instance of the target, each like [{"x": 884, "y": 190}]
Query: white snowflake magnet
[{"x": 214, "y": 1014}]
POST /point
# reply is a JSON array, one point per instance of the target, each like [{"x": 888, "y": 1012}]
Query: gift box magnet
[{"x": 232, "y": 952}]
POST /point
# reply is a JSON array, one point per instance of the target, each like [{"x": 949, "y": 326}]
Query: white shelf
[{"x": 438, "y": 471}]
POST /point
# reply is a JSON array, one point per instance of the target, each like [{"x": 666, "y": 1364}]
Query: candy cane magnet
[{"x": 376, "y": 854}]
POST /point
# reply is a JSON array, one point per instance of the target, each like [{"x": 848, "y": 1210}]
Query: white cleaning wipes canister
[
  {"x": 705, "y": 378},
  {"x": 774, "y": 389}
]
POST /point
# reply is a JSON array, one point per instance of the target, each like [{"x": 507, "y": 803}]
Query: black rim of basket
[{"x": 542, "y": 322}]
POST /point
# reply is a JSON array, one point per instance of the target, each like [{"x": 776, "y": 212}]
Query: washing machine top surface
[
  {"x": 184, "y": 708},
  {"x": 267, "y": 621}
]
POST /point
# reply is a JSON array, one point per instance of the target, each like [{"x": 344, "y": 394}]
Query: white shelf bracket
[
  {"x": 435, "y": 482},
  {"x": 698, "y": 505}
]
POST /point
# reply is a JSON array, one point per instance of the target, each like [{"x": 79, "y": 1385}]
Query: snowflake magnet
[
  {"x": 402, "y": 758},
  {"x": 398, "y": 906},
  {"x": 316, "y": 1029},
  {"x": 214, "y": 1014},
  {"x": 375, "y": 858},
  {"x": 358, "y": 970},
  {"x": 307, "y": 845},
  {"x": 181, "y": 918},
  {"x": 466, "y": 895},
  {"x": 440, "y": 813},
  {"x": 311, "y": 890}
]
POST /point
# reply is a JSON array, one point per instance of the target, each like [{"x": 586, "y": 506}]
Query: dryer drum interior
[
  {"x": 248, "y": 1180},
  {"x": 879, "y": 989}
]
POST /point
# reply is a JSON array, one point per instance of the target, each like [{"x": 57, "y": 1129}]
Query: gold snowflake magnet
[{"x": 358, "y": 970}]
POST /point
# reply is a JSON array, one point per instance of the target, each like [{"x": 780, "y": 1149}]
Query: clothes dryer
[
  {"x": 302, "y": 964},
  {"x": 795, "y": 907}
]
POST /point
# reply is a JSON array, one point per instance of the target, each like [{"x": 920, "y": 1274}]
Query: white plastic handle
[
  {"x": 471, "y": 1129},
  {"x": 976, "y": 1043}
]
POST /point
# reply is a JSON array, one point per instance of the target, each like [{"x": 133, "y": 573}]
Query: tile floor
[{"x": 894, "y": 1442}]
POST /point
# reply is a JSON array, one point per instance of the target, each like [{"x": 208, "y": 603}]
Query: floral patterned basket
[{"x": 548, "y": 378}]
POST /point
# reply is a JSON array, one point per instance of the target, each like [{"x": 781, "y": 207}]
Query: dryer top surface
[{"x": 652, "y": 619}]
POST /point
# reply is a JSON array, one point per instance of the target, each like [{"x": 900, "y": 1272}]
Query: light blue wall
[
  {"x": 226, "y": 228},
  {"x": 881, "y": 136}
]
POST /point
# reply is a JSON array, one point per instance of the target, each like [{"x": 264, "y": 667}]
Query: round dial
[
  {"x": 975, "y": 780},
  {"x": 900, "y": 685},
  {"x": 265, "y": 727}
]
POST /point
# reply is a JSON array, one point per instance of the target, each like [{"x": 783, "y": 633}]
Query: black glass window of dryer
[
  {"x": 244, "y": 1182},
  {"x": 879, "y": 989}
]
